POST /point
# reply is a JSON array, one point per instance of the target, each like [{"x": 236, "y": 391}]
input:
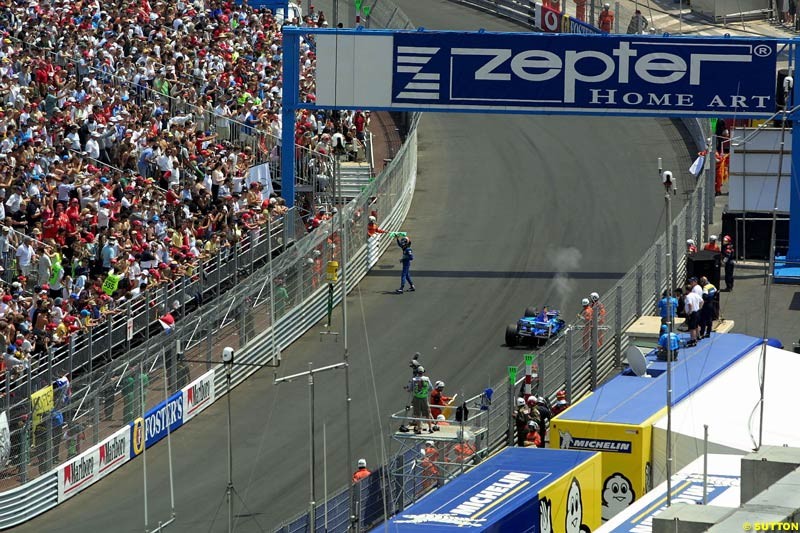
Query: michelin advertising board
[
  {"x": 626, "y": 451},
  {"x": 520, "y": 490}
]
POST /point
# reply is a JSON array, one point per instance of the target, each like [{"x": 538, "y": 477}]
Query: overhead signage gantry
[{"x": 539, "y": 73}]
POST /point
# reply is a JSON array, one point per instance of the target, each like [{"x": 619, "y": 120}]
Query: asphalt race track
[{"x": 503, "y": 204}]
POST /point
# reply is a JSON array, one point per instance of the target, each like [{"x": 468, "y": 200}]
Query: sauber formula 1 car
[{"x": 535, "y": 327}]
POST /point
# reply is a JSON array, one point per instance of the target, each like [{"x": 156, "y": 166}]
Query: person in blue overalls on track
[{"x": 405, "y": 244}]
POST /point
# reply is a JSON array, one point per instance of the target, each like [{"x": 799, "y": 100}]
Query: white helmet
[
  {"x": 372, "y": 219},
  {"x": 712, "y": 238},
  {"x": 533, "y": 425},
  {"x": 520, "y": 402},
  {"x": 439, "y": 418},
  {"x": 428, "y": 443},
  {"x": 690, "y": 242},
  {"x": 362, "y": 463},
  {"x": 439, "y": 385},
  {"x": 585, "y": 302},
  {"x": 420, "y": 369},
  {"x": 594, "y": 296}
]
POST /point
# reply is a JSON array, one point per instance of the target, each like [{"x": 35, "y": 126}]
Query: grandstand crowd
[{"x": 128, "y": 130}]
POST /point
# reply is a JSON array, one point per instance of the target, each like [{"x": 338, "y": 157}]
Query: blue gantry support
[
  {"x": 787, "y": 269},
  {"x": 291, "y": 92}
]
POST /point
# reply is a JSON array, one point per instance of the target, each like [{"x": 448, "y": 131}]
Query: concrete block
[
  {"x": 763, "y": 468},
  {"x": 689, "y": 518}
]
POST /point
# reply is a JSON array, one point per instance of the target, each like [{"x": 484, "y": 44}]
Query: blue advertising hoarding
[
  {"x": 162, "y": 419},
  {"x": 584, "y": 73}
]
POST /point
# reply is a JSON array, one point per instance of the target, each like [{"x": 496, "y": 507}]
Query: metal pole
[
  {"x": 658, "y": 280},
  {"x": 593, "y": 351},
  {"x": 335, "y": 19},
  {"x": 639, "y": 289},
  {"x": 229, "y": 490},
  {"x": 139, "y": 370},
  {"x": 674, "y": 258},
  {"x": 169, "y": 438},
  {"x": 668, "y": 191},
  {"x": 511, "y": 407},
  {"x": 344, "y": 229},
  {"x": 272, "y": 318},
  {"x": 705, "y": 464},
  {"x": 712, "y": 171},
  {"x": 770, "y": 274},
  {"x": 568, "y": 366},
  {"x": 618, "y": 327},
  {"x": 312, "y": 491},
  {"x": 325, "y": 474},
  {"x": 616, "y": 17}
]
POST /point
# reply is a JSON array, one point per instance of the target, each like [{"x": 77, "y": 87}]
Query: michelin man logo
[
  {"x": 566, "y": 439},
  {"x": 574, "y": 514},
  {"x": 617, "y": 495},
  {"x": 545, "y": 516}
]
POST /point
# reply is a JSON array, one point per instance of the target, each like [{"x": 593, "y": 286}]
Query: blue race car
[{"x": 536, "y": 327}]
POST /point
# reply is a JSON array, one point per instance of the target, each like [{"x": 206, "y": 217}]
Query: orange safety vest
[
  {"x": 533, "y": 439},
  {"x": 360, "y": 474},
  {"x": 372, "y": 229},
  {"x": 463, "y": 452},
  {"x": 432, "y": 453},
  {"x": 605, "y": 21},
  {"x": 586, "y": 313},
  {"x": 600, "y": 309}
]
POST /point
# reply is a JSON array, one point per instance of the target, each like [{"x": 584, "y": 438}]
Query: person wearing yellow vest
[
  {"x": 111, "y": 283},
  {"x": 56, "y": 277},
  {"x": 420, "y": 387}
]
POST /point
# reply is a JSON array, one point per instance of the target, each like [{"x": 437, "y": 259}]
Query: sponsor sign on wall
[
  {"x": 162, "y": 419},
  {"x": 198, "y": 395},
  {"x": 94, "y": 464},
  {"x": 534, "y": 72}
]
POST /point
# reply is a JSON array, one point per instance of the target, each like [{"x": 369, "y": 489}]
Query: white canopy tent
[{"x": 728, "y": 404}]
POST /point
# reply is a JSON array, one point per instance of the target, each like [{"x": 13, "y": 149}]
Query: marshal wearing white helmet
[
  {"x": 438, "y": 399},
  {"x": 599, "y": 310}
]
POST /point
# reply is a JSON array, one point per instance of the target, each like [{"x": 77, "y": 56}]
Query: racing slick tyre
[
  {"x": 511, "y": 335},
  {"x": 530, "y": 311}
]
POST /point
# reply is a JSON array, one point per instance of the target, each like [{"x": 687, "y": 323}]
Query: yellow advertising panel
[
  {"x": 571, "y": 503},
  {"x": 626, "y": 456}
]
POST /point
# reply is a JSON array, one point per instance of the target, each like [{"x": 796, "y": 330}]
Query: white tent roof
[{"x": 729, "y": 404}]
